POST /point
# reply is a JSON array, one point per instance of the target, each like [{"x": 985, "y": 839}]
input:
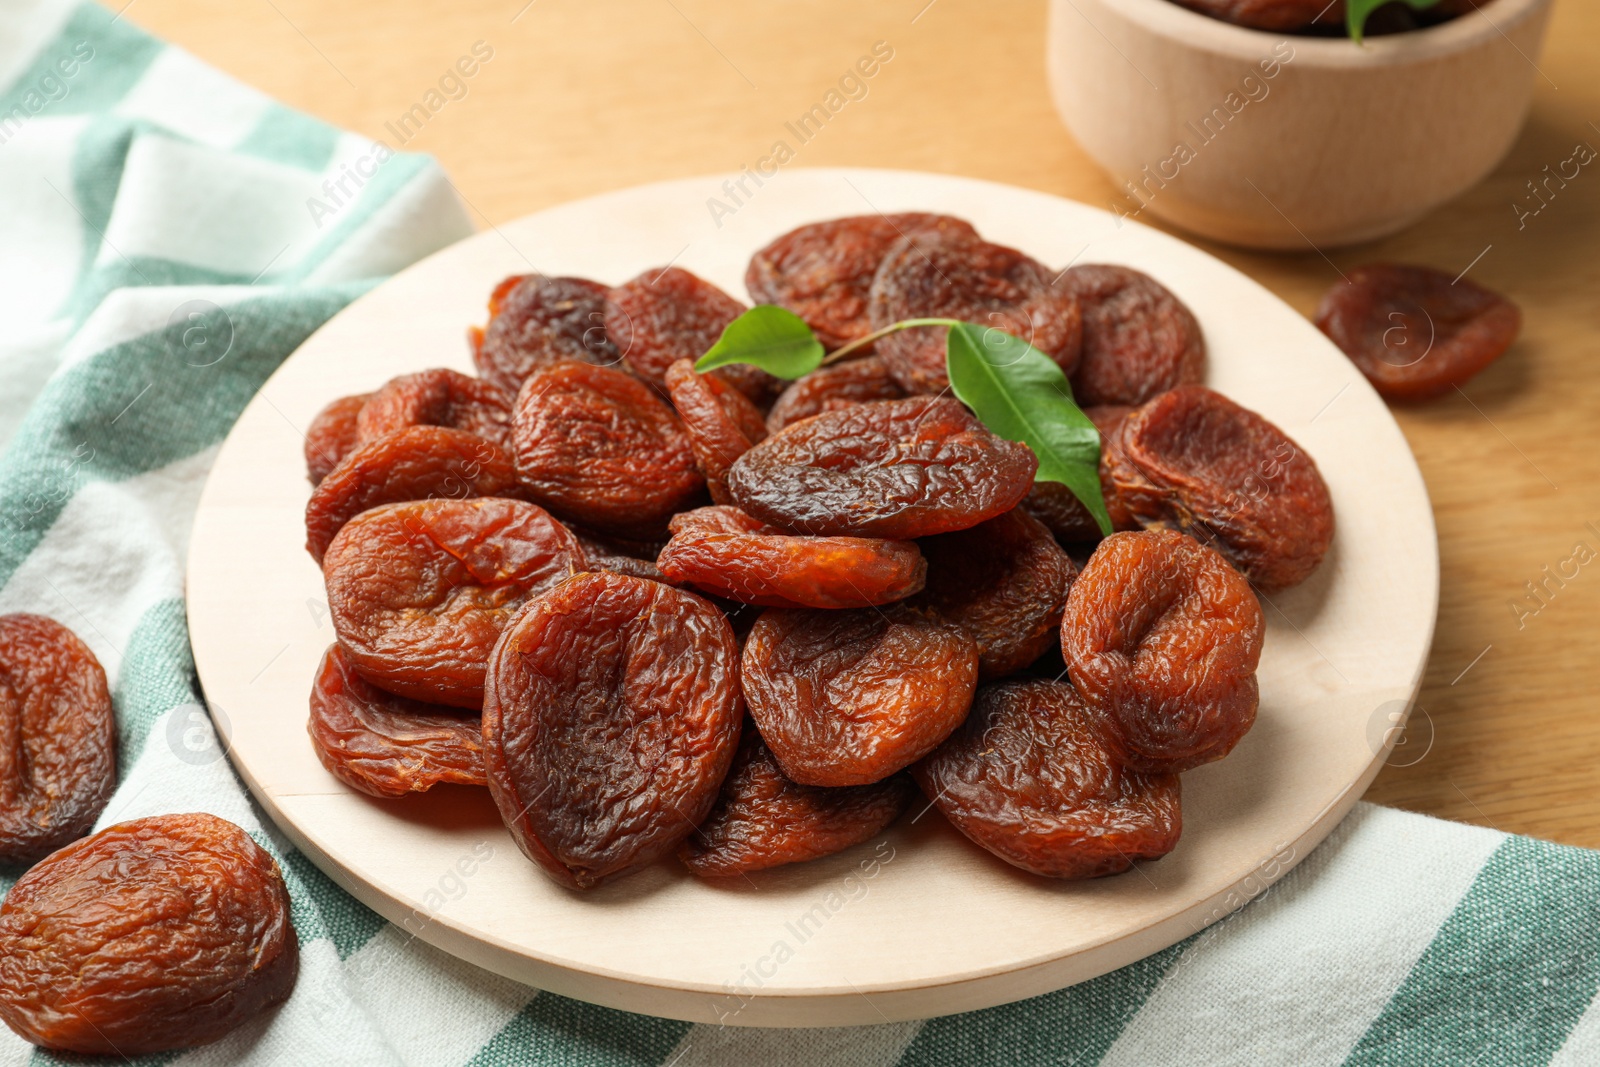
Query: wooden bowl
[
  {"x": 1274, "y": 141},
  {"x": 916, "y": 923}
]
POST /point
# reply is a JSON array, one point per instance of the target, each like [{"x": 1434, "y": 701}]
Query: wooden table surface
[{"x": 581, "y": 98}]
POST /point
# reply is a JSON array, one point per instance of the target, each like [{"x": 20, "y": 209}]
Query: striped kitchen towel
[{"x": 169, "y": 236}]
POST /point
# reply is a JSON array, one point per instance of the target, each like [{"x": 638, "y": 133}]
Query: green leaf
[
  {"x": 1019, "y": 393},
  {"x": 770, "y": 337},
  {"x": 1357, "y": 11}
]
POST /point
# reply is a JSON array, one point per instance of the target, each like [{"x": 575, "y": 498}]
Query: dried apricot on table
[
  {"x": 823, "y": 271},
  {"x": 842, "y": 385},
  {"x": 899, "y": 469},
  {"x": 1004, "y": 582},
  {"x": 58, "y": 762},
  {"x": 721, "y": 423},
  {"x": 957, "y": 275},
  {"x": 332, "y": 435},
  {"x": 762, "y": 819},
  {"x": 1034, "y": 776},
  {"x": 1195, "y": 460},
  {"x": 1163, "y": 636},
  {"x": 596, "y": 446},
  {"x": 724, "y": 551},
  {"x": 153, "y": 935},
  {"x": 850, "y": 697},
  {"x": 611, "y": 717},
  {"x": 416, "y": 463},
  {"x": 1138, "y": 338},
  {"x": 438, "y": 397},
  {"x": 1413, "y": 331},
  {"x": 387, "y": 745},
  {"x": 541, "y": 320},
  {"x": 663, "y": 316},
  {"x": 419, "y": 592}
]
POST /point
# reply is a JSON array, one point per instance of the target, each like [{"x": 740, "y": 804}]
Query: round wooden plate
[{"x": 919, "y": 922}]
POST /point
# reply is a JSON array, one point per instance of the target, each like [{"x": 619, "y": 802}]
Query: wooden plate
[{"x": 920, "y": 922}]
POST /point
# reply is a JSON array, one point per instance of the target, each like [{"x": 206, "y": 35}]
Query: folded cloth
[{"x": 168, "y": 236}]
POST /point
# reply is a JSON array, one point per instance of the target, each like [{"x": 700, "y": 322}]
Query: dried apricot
[
  {"x": 663, "y": 316},
  {"x": 387, "y": 745},
  {"x": 1004, "y": 582},
  {"x": 58, "y": 761},
  {"x": 958, "y": 275},
  {"x": 419, "y": 592},
  {"x": 596, "y": 446},
  {"x": 726, "y": 552},
  {"x": 1162, "y": 635},
  {"x": 1197, "y": 461},
  {"x": 762, "y": 819},
  {"x": 721, "y": 423},
  {"x": 855, "y": 381},
  {"x": 898, "y": 469},
  {"x": 332, "y": 435},
  {"x": 850, "y": 697},
  {"x": 823, "y": 271},
  {"x": 438, "y": 397},
  {"x": 1034, "y": 776},
  {"x": 611, "y": 716},
  {"x": 542, "y": 320},
  {"x": 416, "y": 463},
  {"x": 1413, "y": 331},
  {"x": 1138, "y": 339},
  {"x": 153, "y": 935}
]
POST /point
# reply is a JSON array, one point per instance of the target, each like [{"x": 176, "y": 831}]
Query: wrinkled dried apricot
[
  {"x": 438, "y": 397},
  {"x": 1138, "y": 339},
  {"x": 419, "y": 592},
  {"x": 1004, "y": 582},
  {"x": 724, "y": 551},
  {"x": 416, "y": 463},
  {"x": 721, "y": 423},
  {"x": 958, "y": 275},
  {"x": 1413, "y": 331},
  {"x": 850, "y": 697},
  {"x": 1034, "y": 777},
  {"x": 153, "y": 935},
  {"x": 387, "y": 745},
  {"x": 332, "y": 435},
  {"x": 1197, "y": 461},
  {"x": 663, "y": 316},
  {"x": 541, "y": 320},
  {"x": 596, "y": 446},
  {"x": 1162, "y": 635},
  {"x": 762, "y": 819},
  {"x": 611, "y": 716},
  {"x": 855, "y": 381},
  {"x": 899, "y": 469},
  {"x": 823, "y": 271},
  {"x": 58, "y": 761},
  {"x": 1279, "y": 15}
]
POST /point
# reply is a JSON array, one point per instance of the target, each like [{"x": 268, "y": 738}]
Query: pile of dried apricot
[{"x": 662, "y": 612}]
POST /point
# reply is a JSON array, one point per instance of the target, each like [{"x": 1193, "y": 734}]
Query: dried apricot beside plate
[
  {"x": 58, "y": 764},
  {"x": 153, "y": 935}
]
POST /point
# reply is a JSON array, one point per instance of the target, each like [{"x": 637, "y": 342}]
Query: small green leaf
[
  {"x": 1019, "y": 393},
  {"x": 1357, "y": 11},
  {"x": 770, "y": 337}
]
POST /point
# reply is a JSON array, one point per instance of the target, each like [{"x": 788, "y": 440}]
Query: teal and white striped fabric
[{"x": 134, "y": 182}]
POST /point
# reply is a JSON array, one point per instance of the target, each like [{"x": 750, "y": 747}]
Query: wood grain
[{"x": 582, "y": 98}]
